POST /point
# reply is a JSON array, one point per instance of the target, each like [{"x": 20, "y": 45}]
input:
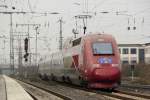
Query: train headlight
[
  {"x": 95, "y": 65},
  {"x": 85, "y": 71},
  {"x": 115, "y": 65}
]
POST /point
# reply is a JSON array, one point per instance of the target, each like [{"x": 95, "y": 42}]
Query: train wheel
[
  {"x": 119, "y": 82},
  {"x": 79, "y": 78},
  {"x": 45, "y": 77},
  {"x": 69, "y": 80},
  {"x": 63, "y": 78},
  {"x": 109, "y": 90},
  {"x": 83, "y": 82},
  {"x": 52, "y": 77},
  {"x": 40, "y": 76},
  {"x": 112, "y": 89}
]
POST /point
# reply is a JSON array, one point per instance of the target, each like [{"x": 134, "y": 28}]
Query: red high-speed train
[{"x": 92, "y": 60}]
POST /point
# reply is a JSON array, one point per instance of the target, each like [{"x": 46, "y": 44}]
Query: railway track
[
  {"x": 3, "y": 90},
  {"x": 42, "y": 92},
  {"x": 33, "y": 97},
  {"x": 133, "y": 94},
  {"x": 123, "y": 95},
  {"x": 73, "y": 94},
  {"x": 144, "y": 87},
  {"x": 117, "y": 94}
]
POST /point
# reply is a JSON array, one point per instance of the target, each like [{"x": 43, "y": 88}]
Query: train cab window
[
  {"x": 76, "y": 42},
  {"x": 102, "y": 48}
]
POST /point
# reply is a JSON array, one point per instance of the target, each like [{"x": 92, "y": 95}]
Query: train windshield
[{"x": 102, "y": 48}]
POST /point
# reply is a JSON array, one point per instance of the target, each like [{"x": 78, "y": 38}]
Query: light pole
[
  {"x": 36, "y": 29},
  {"x": 4, "y": 41}
]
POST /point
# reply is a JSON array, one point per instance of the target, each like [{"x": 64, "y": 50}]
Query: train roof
[
  {"x": 99, "y": 35},
  {"x": 73, "y": 41},
  {"x": 93, "y": 35}
]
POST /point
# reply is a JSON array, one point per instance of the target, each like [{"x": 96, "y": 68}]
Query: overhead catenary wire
[
  {"x": 2, "y": 0},
  {"x": 35, "y": 4},
  {"x": 11, "y": 2},
  {"x": 30, "y": 7},
  {"x": 142, "y": 11},
  {"x": 98, "y": 4}
]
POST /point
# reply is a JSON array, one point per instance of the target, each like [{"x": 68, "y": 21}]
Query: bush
[{"x": 141, "y": 71}]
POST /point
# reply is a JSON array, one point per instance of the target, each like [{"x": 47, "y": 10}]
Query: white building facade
[
  {"x": 147, "y": 53},
  {"x": 134, "y": 53}
]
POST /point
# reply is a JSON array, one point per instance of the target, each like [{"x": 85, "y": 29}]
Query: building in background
[
  {"x": 147, "y": 53},
  {"x": 134, "y": 53}
]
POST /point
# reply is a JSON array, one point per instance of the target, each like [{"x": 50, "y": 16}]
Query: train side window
[{"x": 76, "y": 42}]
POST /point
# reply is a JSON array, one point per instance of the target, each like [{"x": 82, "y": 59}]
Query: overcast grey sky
[{"x": 108, "y": 23}]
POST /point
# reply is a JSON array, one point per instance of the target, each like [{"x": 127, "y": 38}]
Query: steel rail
[
  {"x": 104, "y": 93},
  {"x": 49, "y": 91},
  {"x": 96, "y": 91},
  {"x": 5, "y": 88},
  {"x": 133, "y": 94},
  {"x": 145, "y": 87},
  {"x": 107, "y": 93},
  {"x": 34, "y": 98}
]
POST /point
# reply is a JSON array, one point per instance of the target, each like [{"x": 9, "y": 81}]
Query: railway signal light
[
  {"x": 128, "y": 28},
  {"x": 134, "y": 28},
  {"x": 26, "y": 57},
  {"x": 26, "y": 45},
  {"x": 84, "y": 28}
]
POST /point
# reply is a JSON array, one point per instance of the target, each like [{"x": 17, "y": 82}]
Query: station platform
[{"x": 11, "y": 90}]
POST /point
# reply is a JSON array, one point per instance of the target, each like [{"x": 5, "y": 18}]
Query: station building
[
  {"x": 147, "y": 53},
  {"x": 134, "y": 53}
]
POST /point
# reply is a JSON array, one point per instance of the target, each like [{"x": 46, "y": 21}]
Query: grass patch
[{"x": 141, "y": 74}]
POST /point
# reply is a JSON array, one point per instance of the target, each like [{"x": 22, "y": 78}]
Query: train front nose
[{"x": 109, "y": 74}]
